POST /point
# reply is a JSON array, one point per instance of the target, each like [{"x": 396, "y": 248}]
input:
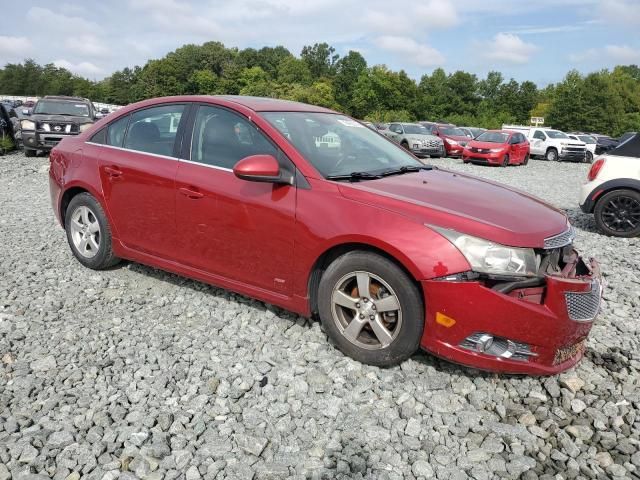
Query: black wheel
[
  {"x": 551, "y": 155},
  {"x": 505, "y": 161},
  {"x": 405, "y": 145},
  {"x": 89, "y": 233},
  {"x": 526, "y": 160},
  {"x": 371, "y": 309},
  {"x": 588, "y": 158},
  {"x": 28, "y": 152},
  {"x": 617, "y": 213}
]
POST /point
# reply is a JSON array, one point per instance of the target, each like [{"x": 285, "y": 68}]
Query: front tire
[
  {"x": 617, "y": 213},
  {"x": 588, "y": 157},
  {"x": 505, "y": 161},
  {"x": 29, "y": 153},
  {"x": 526, "y": 160},
  {"x": 89, "y": 233},
  {"x": 551, "y": 155},
  {"x": 381, "y": 326}
]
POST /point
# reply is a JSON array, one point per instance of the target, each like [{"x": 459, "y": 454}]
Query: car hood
[
  {"x": 477, "y": 144},
  {"x": 420, "y": 137},
  {"x": 463, "y": 203},
  {"x": 38, "y": 117}
]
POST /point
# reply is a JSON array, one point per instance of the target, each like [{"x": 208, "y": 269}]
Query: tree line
[{"x": 603, "y": 101}]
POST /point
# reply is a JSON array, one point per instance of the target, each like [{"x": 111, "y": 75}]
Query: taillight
[{"x": 595, "y": 169}]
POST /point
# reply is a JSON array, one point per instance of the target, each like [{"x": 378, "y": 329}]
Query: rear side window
[
  {"x": 116, "y": 131},
  {"x": 154, "y": 130}
]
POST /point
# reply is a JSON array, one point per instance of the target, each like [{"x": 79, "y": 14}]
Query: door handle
[
  {"x": 113, "y": 172},
  {"x": 187, "y": 192}
]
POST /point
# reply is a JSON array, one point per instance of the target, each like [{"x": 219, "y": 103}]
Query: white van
[{"x": 552, "y": 145}]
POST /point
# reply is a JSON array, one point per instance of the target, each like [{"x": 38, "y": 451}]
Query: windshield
[
  {"x": 338, "y": 145},
  {"x": 452, "y": 132},
  {"x": 555, "y": 134},
  {"x": 53, "y": 107},
  {"x": 587, "y": 139},
  {"x": 412, "y": 129},
  {"x": 493, "y": 137}
]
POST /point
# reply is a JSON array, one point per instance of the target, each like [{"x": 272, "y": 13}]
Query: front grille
[
  {"x": 433, "y": 144},
  {"x": 60, "y": 128},
  {"x": 584, "y": 306},
  {"x": 560, "y": 240},
  {"x": 480, "y": 150}
]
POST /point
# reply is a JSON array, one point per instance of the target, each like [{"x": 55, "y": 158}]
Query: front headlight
[
  {"x": 492, "y": 258},
  {"x": 85, "y": 127},
  {"x": 27, "y": 125},
  {"x": 450, "y": 142}
]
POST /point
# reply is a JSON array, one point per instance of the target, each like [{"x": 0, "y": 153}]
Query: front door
[
  {"x": 137, "y": 170},
  {"x": 226, "y": 226}
]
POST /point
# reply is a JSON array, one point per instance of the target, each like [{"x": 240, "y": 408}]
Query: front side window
[
  {"x": 116, "y": 131},
  {"x": 154, "y": 130},
  {"x": 353, "y": 147},
  {"x": 221, "y": 138}
]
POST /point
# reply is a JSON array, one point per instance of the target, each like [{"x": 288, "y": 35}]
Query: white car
[
  {"x": 552, "y": 145},
  {"x": 612, "y": 190},
  {"x": 590, "y": 141}
]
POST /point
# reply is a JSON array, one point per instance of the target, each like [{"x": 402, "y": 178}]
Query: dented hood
[{"x": 463, "y": 203}]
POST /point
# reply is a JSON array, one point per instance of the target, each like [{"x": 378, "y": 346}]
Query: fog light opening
[{"x": 487, "y": 344}]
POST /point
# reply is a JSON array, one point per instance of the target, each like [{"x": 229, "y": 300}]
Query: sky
[{"x": 538, "y": 40}]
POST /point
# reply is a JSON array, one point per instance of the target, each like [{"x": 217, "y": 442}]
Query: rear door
[
  {"x": 226, "y": 226},
  {"x": 137, "y": 167}
]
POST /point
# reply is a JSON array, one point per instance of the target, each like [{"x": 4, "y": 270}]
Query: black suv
[{"x": 52, "y": 119}]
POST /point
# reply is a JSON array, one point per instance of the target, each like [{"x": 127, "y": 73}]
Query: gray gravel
[{"x": 135, "y": 373}]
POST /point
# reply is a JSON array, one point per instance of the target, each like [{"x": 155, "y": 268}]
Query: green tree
[{"x": 320, "y": 58}]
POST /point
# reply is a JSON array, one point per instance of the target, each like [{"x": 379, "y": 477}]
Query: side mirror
[
  {"x": 26, "y": 111},
  {"x": 261, "y": 168}
]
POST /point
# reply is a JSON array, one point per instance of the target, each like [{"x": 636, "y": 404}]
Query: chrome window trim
[{"x": 215, "y": 167}]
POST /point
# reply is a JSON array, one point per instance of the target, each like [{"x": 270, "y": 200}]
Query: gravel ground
[{"x": 136, "y": 373}]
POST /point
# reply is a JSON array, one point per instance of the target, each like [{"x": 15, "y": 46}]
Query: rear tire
[
  {"x": 617, "y": 213},
  {"x": 356, "y": 323},
  {"x": 551, "y": 155},
  {"x": 29, "y": 153},
  {"x": 89, "y": 233}
]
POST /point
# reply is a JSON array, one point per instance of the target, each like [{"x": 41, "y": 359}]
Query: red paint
[
  {"x": 263, "y": 239},
  {"x": 517, "y": 152}
]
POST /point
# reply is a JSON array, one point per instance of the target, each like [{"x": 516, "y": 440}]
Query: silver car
[{"x": 416, "y": 139}]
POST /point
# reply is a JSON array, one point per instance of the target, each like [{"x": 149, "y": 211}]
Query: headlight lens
[
  {"x": 85, "y": 127},
  {"x": 450, "y": 142},
  {"x": 27, "y": 125},
  {"x": 492, "y": 258}
]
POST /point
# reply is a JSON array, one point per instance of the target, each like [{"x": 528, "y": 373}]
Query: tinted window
[
  {"x": 539, "y": 135},
  {"x": 116, "y": 130},
  {"x": 222, "y": 138},
  {"x": 154, "y": 130}
]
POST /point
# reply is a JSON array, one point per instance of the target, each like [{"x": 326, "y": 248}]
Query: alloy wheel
[
  {"x": 85, "y": 232},
  {"x": 366, "y": 310},
  {"x": 621, "y": 214}
]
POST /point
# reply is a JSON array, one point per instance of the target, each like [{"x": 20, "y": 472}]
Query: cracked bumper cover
[{"x": 538, "y": 317}]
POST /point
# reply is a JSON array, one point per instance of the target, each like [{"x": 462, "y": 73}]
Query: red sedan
[
  {"x": 305, "y": 208},
  {"x": 498, "y": 147},
  {"x": 453, "y": 137}
]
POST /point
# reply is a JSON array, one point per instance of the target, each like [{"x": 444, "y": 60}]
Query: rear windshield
[{"x": 493, "y": 137}]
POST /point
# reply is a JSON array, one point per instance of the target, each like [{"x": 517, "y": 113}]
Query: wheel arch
[
  {"x": 332, "y": 253},
  {"x": 609, "y": 186},
  {"x": 74, "y": 189}
]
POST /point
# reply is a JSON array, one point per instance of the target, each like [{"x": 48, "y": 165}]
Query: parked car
[
  {"x": 454, "y": 139},
  {"x": 589, "y": 141},
  {"x": 473, "y": 132},
  {"x": 54, "y": 118},
  {"x": 391, "y": 254},
  {"x": 612, "y": 190},
  {"x": 370, "y": 125},
  {"x": 7, "y": 134},
  {"x": 498, "y": 147},
  {"x": 604, "y": 143},
  {"x": 416, "y": 139},
  {"x": 29, "y": 104},
  {"x": 552, "y": 145}
]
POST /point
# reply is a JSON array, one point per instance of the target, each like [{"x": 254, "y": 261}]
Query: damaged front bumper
[{"x": 535, "y": 326}]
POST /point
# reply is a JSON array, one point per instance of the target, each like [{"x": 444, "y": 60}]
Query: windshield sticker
[{"x": 351, "y": 123}]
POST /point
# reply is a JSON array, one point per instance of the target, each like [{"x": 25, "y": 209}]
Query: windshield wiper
[
  {"x": 406, "y": 169},
  {"x": 354, "y": 176}
]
